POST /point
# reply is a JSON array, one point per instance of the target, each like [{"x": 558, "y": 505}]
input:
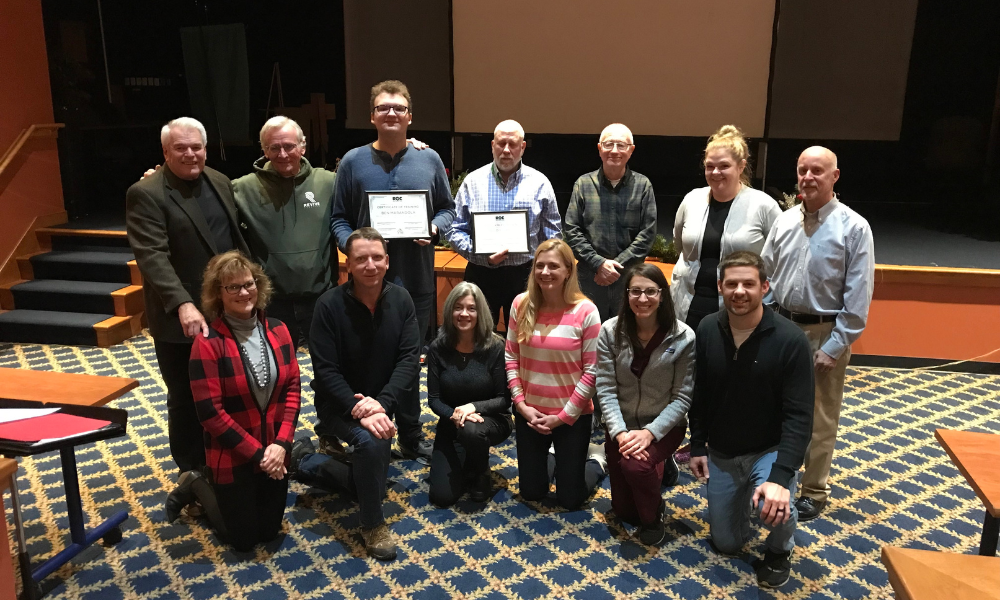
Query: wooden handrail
[{"x": 36, "y": 130}]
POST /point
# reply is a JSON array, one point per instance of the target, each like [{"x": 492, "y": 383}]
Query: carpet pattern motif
[{"x": 893, "y": 484}]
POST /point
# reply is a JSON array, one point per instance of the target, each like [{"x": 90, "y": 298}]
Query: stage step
[
  {"x": 50, "y": 327},
  {"x": 78, "y": 265},
  {"x": 62, "y": 295}
]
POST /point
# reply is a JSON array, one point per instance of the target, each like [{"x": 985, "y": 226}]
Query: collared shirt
[
  {"x": 611, "y": 222},
  {"x": 483, "y": 190},
  {"x": 823, "y": 263}
]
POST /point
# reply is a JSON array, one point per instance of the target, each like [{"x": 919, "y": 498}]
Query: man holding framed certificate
[
  {"x": 383, "y": 185},
  {"x": 503, "y": 211}
]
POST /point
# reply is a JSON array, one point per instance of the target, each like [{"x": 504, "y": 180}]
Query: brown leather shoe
[
  {"x": 333, "y": 447},
  {"x": 379, "y": 542}
]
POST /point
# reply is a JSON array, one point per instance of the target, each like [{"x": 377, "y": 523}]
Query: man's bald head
[
  {"x": 509, "y": 126},
  {"x": 508, "y": 145},
  {"x": 617, "y": 131},
  {"x": 817, "y": 172}
]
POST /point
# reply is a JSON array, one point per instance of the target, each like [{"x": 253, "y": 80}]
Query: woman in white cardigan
[{"x": 714, "y": 221}]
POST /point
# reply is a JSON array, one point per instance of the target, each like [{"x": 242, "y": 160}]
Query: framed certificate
[
  {"x": 400, "y": 213},
  {"x": 496, "y": 231}
]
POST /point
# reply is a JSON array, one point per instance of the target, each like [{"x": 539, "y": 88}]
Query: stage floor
[{"x": 893, "y": 484}]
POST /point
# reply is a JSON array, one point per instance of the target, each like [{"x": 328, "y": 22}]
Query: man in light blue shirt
[
  {"x": 505, "y": 184},
  {"x": 821, "y": 259}
]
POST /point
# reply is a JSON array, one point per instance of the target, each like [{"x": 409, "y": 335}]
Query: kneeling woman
[
  {"x": 551, "y": 368},
  {"x": 467, "y": 389},
  {"x": 645, "y": 378},
  {"x": 245, "y": 382}
]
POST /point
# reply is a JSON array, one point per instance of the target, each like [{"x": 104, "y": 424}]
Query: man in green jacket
[{"x": 284, "y": 211}]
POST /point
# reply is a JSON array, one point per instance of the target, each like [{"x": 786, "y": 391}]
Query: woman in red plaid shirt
[{"x": 245, "y": 382}]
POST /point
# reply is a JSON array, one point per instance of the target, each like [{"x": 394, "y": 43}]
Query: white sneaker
[{"x": 597, "y": 453}]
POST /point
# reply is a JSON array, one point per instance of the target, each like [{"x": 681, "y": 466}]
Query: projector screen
[{"x": 662, "y": 67}]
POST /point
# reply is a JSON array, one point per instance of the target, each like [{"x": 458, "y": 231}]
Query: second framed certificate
[
  {"x": 496, "y": 231},
  {"x": 400, "y": 213}
]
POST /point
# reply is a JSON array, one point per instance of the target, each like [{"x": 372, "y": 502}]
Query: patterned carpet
[{"x": 893, "y": 485}]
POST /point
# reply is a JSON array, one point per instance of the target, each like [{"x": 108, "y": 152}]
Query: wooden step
[
  {"x": 45, "y": 234},
  {"x": 134, "y": 274},
  {"x": 24, "y": 267},
  {"x": 7, "y": 296},
  {"x": 117, "y": 329},
  {"x": 128, "y": 301}
]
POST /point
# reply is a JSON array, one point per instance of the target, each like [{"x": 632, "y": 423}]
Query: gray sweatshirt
[{"x": 660, "y": 399}]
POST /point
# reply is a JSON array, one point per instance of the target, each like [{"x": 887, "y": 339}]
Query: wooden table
[
  {"x": 977, "y": 456},
  {"x": 63, "y": 388},
  {"x": 8, "y": 467},
  {"x": 929, "y": 575}
]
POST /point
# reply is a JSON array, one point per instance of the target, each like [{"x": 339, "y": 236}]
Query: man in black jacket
[
  {"x": 365, "y": 347},
  {"x": 751, "y": 416},
  {"x": 177, "y": 219}
]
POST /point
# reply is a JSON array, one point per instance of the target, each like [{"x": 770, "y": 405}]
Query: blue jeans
[
  {"x": 731, "y": 483},
  {"x": 370, "y": 461}
]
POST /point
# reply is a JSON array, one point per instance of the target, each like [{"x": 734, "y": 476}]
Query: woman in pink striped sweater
[{"x": 551, "y": 371}]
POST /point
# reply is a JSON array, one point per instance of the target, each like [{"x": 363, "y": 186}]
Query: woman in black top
[{"x": 467, "y": 389}]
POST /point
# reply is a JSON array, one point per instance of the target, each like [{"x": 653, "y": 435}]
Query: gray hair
[
  {"x": 483, "y": 336},
  {"x": 277, "y": 123},
  {"x": 182, "y": 123},
  {"x": 617, "y": 128},
  {"x": 509, "y": 126}
]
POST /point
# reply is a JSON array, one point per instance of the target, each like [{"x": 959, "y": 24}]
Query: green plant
[
  {"x": 663, "y": 250},
  {"x": 457, "y": 183}
]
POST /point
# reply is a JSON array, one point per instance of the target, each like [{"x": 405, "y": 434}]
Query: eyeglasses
[
  {"x": 383, "y": 109},
  {"x": 611, "y": 145},
  {"x": 236, "y": 287},
  {"x": 276, "y": 148},
  {"x": 638, "y": 292}
]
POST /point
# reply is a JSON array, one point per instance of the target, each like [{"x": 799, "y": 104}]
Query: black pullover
[{"x": 755, "y": 398}]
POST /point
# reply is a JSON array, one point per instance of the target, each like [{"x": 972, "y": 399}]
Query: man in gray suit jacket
[{"x": 177, "y": 220}]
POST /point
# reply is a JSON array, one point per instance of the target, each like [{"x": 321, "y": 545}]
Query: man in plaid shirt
[
  {"x": 505, "y": 184},
  {"x": 610, "y": 221}
]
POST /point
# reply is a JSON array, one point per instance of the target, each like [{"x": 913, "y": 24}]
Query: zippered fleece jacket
[
  {"x": 357, "y": 351},
  {"x": 286, "y": 223},
  {"x": 756, "y": 398}
]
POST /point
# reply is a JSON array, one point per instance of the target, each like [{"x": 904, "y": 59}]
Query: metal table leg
[
  {"x": 991, "y": 534},
  {"x": 29, "y": 589}
]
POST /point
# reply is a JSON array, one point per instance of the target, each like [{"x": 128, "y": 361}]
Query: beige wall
[
  {"x": 840, "y": 69},
  {"x": 399, "y": 39},
  {"x": 664, "y": 67}
]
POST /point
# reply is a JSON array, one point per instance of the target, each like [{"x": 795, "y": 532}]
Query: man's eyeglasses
[
  {"x": 610, "y": 145},
  {"x": 638, "y": 292},
  {"x": 236, "y": 287},
  {"x": 276, "y": 148},
  {"x": 383, "y": 109}
]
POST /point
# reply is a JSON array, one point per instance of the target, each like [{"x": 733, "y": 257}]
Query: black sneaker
[
  {"x": 652, "y": 534},
  {"x": 671, "y": 472},
  {"x": 774, "y": 569},
  {"x": 481, "y": 487},
  {"x": 808, "y": 508},
  {"x": 419, "y": 450}
]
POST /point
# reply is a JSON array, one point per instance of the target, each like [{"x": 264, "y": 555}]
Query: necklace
[{"x": 262, "y": 369}]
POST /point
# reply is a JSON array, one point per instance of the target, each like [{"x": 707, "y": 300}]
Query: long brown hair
[
  {"x": 626, "y": 328},
  {"x": 527, "y": 311}
]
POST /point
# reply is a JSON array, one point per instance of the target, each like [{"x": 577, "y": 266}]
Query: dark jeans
[
  {"x": 296, "y": 312},
  {"x": 461, "y": 454},
  {"x": 635, "y": 484},
  {"x": 500, "y": 285},
  {"x": 187, "y": 444},
  {"x": 408, "y": 410},
  {"x": 244, "y": 513},
  {"x": 576, "y": 477},
  {"x": 607, "y": 298},
  {"x": 365, "y": 476}
]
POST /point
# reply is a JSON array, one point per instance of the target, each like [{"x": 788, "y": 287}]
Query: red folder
[{"x": 53, "y": 426}]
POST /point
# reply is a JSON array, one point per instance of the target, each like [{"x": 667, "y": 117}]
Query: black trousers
[
  {"x": 461, "y": 454},
  {"x": 500, "y": 285},
  {"x": 244, "y": 513},
  {"x": 576, "y": 477},
  {"x": 408, "y": 409},
  {"x": 187, "y": 445},
  {"x": 296, "y": 312}
]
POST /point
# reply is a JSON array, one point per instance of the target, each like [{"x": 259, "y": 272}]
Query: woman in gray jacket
[{"x": 645, "y": 376}]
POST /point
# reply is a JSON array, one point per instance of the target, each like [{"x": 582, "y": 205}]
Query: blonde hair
[
  {"x": 223, "y": 266},
  {"x": 527, "y": 310},
  {"x": 730, "y": 138}
]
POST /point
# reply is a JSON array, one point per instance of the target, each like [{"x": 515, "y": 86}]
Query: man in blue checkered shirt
[
  {"x": 610, "y": 221},
  {"x": 505, "y": 184}
]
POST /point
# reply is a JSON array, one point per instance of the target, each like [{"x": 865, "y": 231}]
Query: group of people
[{"x": 747, "y": 345}]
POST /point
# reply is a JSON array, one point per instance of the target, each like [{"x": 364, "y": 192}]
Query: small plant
[
  {"x": 457, "y": 183},
  {"x": 790, "y": 200},
  {"x": 663, "y": 250}
]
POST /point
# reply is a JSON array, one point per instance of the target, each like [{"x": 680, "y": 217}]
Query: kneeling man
[
  {"x": 751, "y": 416},
  {"x": 365, "y": 348}
]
